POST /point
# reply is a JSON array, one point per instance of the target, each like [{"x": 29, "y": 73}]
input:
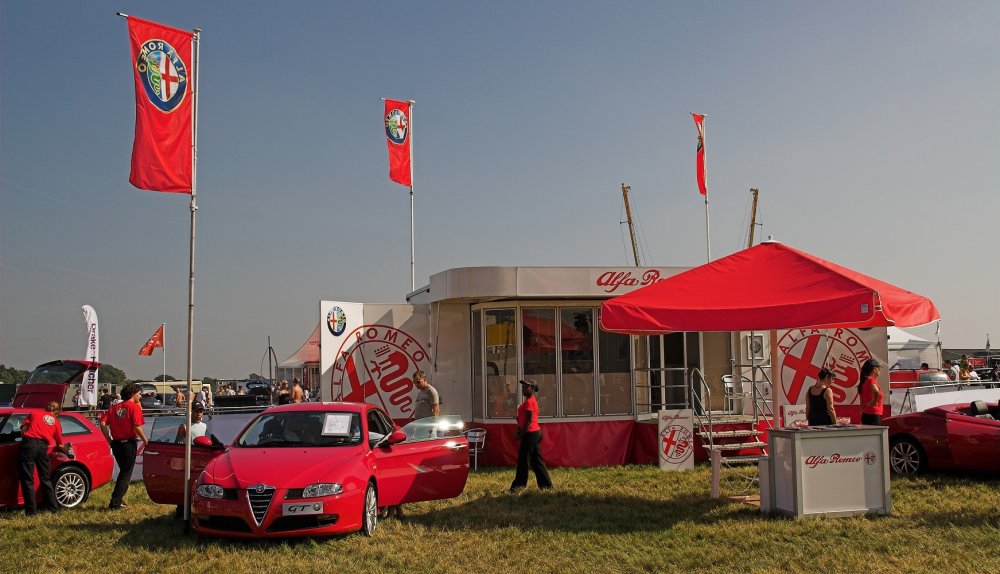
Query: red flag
[
  {"x": 699, "y": 122},
  {"x": 397, "y": 137},
  {"x": 161, "y": 152},
  {"x": 155, "y": 341}
]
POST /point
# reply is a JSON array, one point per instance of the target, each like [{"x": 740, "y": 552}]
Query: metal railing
[
  {"x": 666, "y": 391},
  {"x": 703, "y": 396},
  {"x": 935, "y": 389}
]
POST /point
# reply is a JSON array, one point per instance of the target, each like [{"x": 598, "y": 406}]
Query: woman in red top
[
  {"x": 871, "y": 395},
  {"x": 530, "y": 434},
  {"x": 39, "y": 431}
]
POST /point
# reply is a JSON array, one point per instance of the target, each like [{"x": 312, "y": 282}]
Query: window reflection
[
  {"x": 501, "y": 363},
  {"x": 538, "y": 326},
  {"x": 576, "y": 332}
]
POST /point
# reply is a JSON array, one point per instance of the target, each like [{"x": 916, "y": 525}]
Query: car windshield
[
  {"x": 302, "y": 428},
  {"x": 57, "y": 373}
]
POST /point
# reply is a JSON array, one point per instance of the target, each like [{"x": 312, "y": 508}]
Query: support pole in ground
[{"x": 716, "y": 473}]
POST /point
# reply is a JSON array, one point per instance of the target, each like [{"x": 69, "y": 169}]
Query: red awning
[{"x": 766, "y": 287}]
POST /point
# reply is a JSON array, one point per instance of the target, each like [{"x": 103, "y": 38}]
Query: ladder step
[
  {"x": 738, "y": 446},
  {"x": 740, "y": 459},
  {"x": 729, "y": 433}
]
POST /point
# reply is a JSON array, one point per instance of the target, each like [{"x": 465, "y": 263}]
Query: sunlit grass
[{"x": 618, "y": 519}]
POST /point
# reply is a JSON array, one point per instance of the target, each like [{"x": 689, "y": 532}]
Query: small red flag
[
  {"x": 699, "y": 122},
  {"x": 161, "y": 151},
  {"x": 155, "y": 341},
  {"x": 397, "y": 137}
]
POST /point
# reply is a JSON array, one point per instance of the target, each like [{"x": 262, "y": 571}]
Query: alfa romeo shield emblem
[
  {"x": 396, "y": 126},
  {"x": 336, "y": 321},
  {"x": 163, "y": 74}
]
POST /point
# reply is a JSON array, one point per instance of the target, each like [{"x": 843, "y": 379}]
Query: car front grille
[{"x": 259, "y": 497}]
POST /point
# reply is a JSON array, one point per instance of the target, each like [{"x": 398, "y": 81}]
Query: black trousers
[
  {"x": 34, "y": 453},
  {"x": 867, "y": 419},
  {"x": 530, "y": 452},
  {"x": 124, "y": 451}
]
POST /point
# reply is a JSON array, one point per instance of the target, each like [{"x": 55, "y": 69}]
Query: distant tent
[
  {"x": 308, "y": 353},
  {"x": 908, "y": 351}
]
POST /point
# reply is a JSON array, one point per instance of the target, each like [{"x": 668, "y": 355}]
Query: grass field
[{"x": 618, "y": 519}]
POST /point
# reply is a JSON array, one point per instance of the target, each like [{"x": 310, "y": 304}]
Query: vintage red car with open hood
[
  {"x": 308, "y": 469},
  {"x": 950, "y": 437}
]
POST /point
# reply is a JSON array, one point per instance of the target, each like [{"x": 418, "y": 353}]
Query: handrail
[
  {"x": 759, "y": 402},
  {"x": 704, "y": 391}
]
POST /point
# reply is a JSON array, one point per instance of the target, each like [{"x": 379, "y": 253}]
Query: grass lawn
[{"x": 617, "y": 519}]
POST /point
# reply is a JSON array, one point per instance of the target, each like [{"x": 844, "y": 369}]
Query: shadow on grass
[{"x": 571, "y": 512}]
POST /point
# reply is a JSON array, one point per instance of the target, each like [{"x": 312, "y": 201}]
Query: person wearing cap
[
  {"x": 530, "y": 434},
  {"x": 198, "y": 426},
  {"x": 122, "y": 426},
  {"x": 871, "y": 395},
  {"x": 41, "y": 435}
]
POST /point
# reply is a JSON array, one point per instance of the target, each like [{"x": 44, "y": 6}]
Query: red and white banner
[
  {"x": 155, "y": 341},
  {"x": 162, "y": 150},
  {"x": 397, "y": 138},
  {"x": 88, "y": 389},
  {"x": 801, "y": 353},
  {"x": 699, "y": 122}
]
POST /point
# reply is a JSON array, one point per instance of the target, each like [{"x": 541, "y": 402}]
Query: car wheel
[
  {"x": 906, "y": 457},
  {"x": 369, "y": 514},
  {"x": 71, "y": 485}
]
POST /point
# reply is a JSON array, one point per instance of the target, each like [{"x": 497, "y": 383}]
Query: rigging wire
[
  {"x": 621, "y": 231},
  {"x": 645, "y": 256}
]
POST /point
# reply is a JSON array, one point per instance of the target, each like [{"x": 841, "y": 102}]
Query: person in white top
[{"x": 198, "y": 426}]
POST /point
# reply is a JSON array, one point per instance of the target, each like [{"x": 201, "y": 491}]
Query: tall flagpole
[
  {"x": 708, "y": 233},
  {"x": 196, "y": 41},
  {"x": 413, "y": 274},
  {"x": 163, "y": 339}
]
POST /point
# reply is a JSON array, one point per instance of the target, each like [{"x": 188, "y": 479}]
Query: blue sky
[{"x": 871, "y": 129}]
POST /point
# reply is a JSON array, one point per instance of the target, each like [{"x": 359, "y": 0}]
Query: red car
[
  {"x": 308, "y": 469},
  {"x": 959, "y": 437},
  {"x": 73, "y": 479}
]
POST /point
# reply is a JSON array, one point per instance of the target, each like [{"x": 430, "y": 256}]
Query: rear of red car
[{"x": 49, "y": 381}]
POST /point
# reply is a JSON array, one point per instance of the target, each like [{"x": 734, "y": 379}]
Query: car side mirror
[
  {"x": 202, "y": 441},
  {"x": 396, "y": 437}
]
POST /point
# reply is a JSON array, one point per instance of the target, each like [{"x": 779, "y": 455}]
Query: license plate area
[{"x": 301, "y": 508}]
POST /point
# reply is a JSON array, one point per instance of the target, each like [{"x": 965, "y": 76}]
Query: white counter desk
[{"x": 826, "y": 471}]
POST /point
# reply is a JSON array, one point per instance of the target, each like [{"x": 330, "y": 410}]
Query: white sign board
[
  {"x": 792, "y": 414},
  {"x": 676, "y": 441},
  {"x": 368, "y": 354}
]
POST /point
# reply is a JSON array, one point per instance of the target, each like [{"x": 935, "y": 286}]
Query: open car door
[
  {"x": 163, "y": 460},
  {"x": 431, "y": 464}
]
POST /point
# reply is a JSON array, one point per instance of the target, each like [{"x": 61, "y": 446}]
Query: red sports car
[
  {"x": 73, "y": 479},
  {"x": 308, "y": 469},
  {"x": 961, "y": 437}
]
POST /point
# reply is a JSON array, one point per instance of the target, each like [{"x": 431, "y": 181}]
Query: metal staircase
[{"x": 734, "y": 435}]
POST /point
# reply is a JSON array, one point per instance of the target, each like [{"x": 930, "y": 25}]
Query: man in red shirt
[
  {"x": 122, "y": 425},
  {"x": 40, "y": 432},
  {"x": 530, "y": 433}
]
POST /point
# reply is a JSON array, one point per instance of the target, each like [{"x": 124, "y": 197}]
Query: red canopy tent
[{"x": 767, "y": 287}]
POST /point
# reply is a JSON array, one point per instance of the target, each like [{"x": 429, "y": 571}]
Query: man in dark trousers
[
  {"x": 122, "y": 425},
  {"x": 530, "y": 434},
  {"x": 41, "y": 435}
]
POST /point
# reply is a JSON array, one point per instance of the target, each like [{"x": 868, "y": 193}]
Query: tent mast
[
  {"x": 631, "y": 229},
  {"x": 753, "y": 216}
]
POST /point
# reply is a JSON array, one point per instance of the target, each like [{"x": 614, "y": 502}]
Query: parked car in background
[
  {"x": 308, "y": 469},
  {"x": 73, "y": 479},
  {"x": 906, "y": 378},
  {"x": 150, "y": 398},
  {"x": 962, "y": 436}
]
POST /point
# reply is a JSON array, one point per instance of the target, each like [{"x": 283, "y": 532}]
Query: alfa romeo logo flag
[
  {"x": 161, "y": 152},
  {"x": 397, "y": 137}
]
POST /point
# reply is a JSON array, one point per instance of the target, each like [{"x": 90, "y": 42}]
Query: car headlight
[
  {"x": 210, "y": 491},
  {"x": 321, "y": 489}
]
